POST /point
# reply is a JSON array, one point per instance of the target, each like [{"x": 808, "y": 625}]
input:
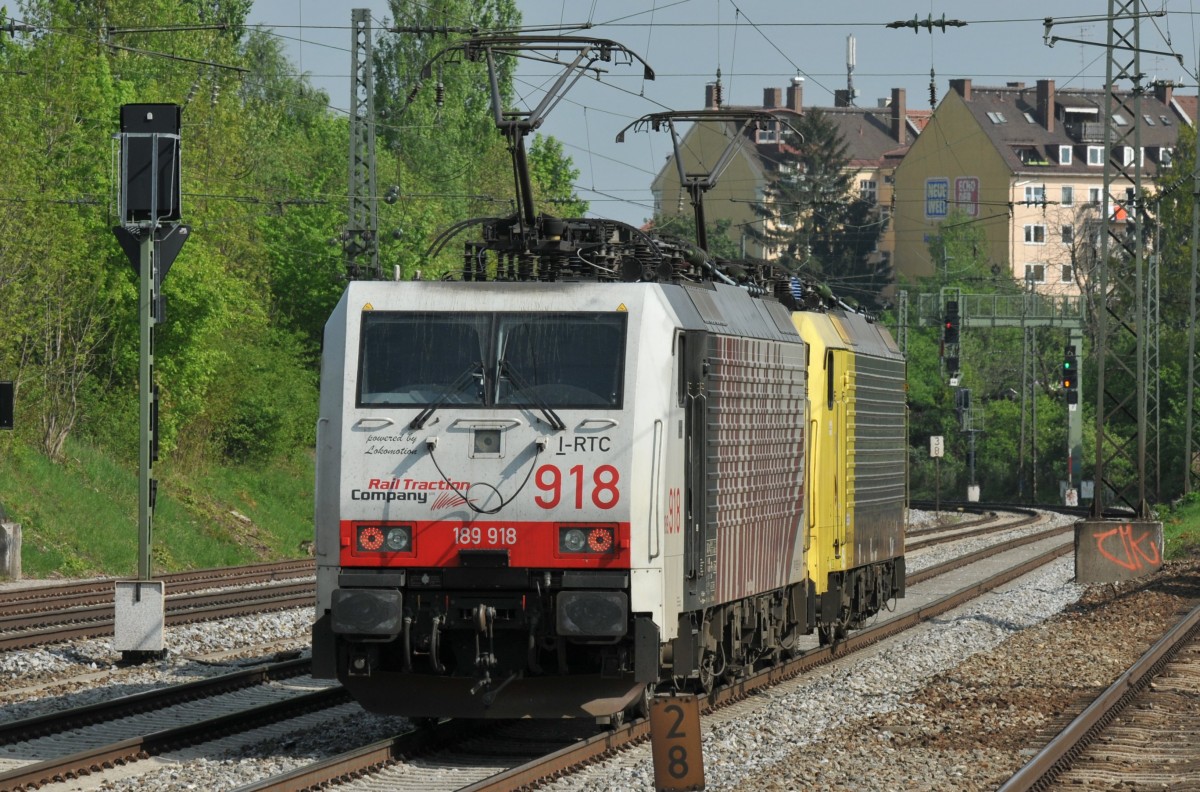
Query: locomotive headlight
[
  {"x": 399, "y": 539},
  {"x": 572, "y": 540}
]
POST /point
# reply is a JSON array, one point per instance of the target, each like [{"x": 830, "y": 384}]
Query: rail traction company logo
[{"x": 406, "y": 489}]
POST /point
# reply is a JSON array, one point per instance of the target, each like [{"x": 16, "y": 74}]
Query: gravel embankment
[{"x": 958, "y": 703}]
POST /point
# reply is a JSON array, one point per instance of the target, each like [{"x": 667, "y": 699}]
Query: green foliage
[
  {"x": 1181, "y": 528},
  {"x": 719, "y": 242},
  {"x": 553, "y": 175}
]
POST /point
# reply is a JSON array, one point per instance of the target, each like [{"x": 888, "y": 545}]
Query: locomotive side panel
[
  {"x": 857, "y": 498},
  {"x": 756, "y": 464}
]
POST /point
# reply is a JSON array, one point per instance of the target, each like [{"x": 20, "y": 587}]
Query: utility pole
[
  {"x": 361, "y": 238},
  {"x": 151, "y": 235}
]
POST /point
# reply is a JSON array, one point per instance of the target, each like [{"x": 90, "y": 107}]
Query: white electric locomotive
[{"x": 536, "y": 499}]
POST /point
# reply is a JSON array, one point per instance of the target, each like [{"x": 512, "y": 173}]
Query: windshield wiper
[
  {"x": 423, "y": 417},
  {"x": 552, "y": 418}
]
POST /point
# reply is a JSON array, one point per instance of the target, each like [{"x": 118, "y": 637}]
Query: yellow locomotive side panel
[
  {"x": 856, "y": 444},
  {"x": 829, "y": 371}
]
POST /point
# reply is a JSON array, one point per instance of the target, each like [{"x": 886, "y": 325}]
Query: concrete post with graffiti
[{"x": 1110, "y": 550}]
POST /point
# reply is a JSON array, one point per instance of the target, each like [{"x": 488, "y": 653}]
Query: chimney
[
  {"x": 841, "y": 97},
  {"x": 1164, "y": 91},
  {"x": 1045, "y": 103},
  {"x": 962, "y": 88},
  {"x": 712, "y": 97},
  {"x": 795, "y": 94},
  {"x": 772, "y": 97},
  {"x": 899, "y": 117}
]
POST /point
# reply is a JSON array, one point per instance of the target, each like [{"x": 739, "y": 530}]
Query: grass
[
  {"x": 79, "y": 518},
  {"x": 1181, "y": 528}
]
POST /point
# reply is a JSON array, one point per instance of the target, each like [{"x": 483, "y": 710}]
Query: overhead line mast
[{"x": 361, "y": 239}]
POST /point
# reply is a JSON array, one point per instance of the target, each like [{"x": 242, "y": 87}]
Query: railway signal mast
[
  {"x": 151, "y": 234},
  {"x": 950, "y": 328}
]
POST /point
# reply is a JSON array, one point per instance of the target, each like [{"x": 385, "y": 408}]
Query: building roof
[{"x": 1030, "y": 125}]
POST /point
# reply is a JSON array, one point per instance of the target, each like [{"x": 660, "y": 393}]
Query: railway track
[
  {"x": 480, "y": 755},
  {"x": 50, "y": 614},
  {"x": 1142, "y": 732},
  {"x": 988, "y": 523},
  {"x": 471, "y": 765},
  {"x": 75, "y": 742}
]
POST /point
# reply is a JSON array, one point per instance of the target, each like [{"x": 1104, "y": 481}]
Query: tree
[
  {"x": 719, "y": 243},
  {"x": 553, "y": 175},
  {"x": 815, "y": 222}
]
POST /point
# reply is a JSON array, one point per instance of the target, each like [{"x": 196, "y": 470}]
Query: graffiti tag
[{"x": 1127, "y": 551}]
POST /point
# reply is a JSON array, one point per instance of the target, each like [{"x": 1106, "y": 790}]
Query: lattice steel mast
[
  {"x": 361, "y": 239},
  {"x": 1121, "y": 322}
]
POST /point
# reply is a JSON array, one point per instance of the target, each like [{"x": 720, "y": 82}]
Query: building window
[
  {"x": 1068, "y": 273},
  {"x": 1064, "y": 155},
  {"x": 1068, "y": 234},
  {"x": 1095, "y": 155},
  {"x": 1126, "y": 156},
  {"x": 1094, "y": 196},
  {"x": 1164, "y": 157},
  {"x": 867, "y": 190},
  {"x": 1035, "y": 273},
  {"x": 1068, "y": 196},
  {"x": 1035, "y": 235},
  {"x": 1035, "y": 194},
  {"x": 768, "y": 133}
]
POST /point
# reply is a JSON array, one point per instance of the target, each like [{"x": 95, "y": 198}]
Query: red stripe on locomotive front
[{"x": 437, "y": 544}]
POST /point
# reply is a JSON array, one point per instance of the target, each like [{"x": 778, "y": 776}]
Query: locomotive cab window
[
  {"x": 491, "y": 360},
  {"x": 421, "y": 358},
  {"x": 560, "y": 360}
]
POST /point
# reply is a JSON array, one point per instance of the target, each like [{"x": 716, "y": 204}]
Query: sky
[{"x": 758, "y": 44}]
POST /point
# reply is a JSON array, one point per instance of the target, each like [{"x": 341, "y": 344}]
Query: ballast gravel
[{"x": 958, "y": 703}]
